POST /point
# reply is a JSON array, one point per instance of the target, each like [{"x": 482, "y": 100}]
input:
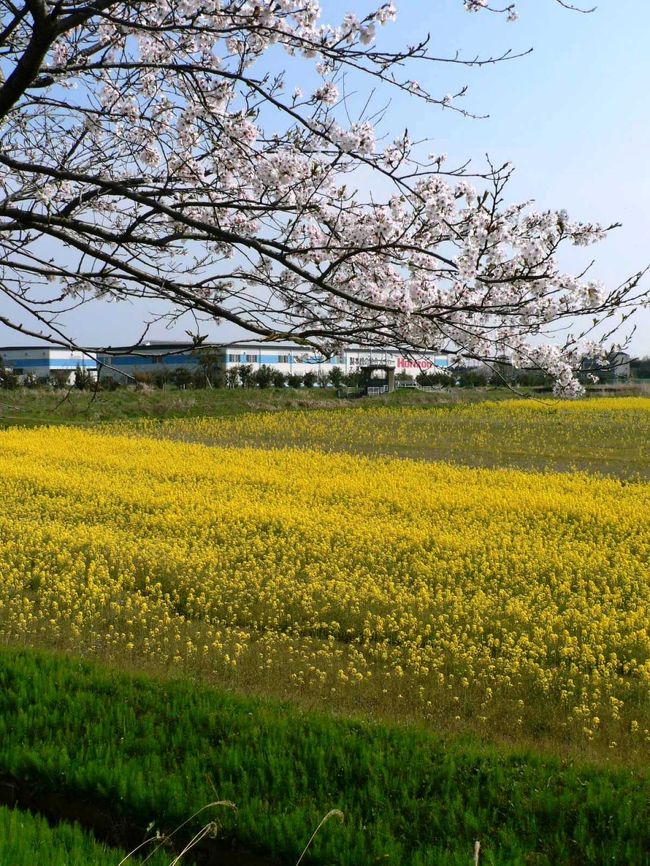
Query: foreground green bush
[
  {"x": 158, "y": 751},
  {"x": 28, "y": 840}
]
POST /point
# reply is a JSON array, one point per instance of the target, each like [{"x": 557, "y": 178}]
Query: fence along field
[{"x": 453, "y": 596}]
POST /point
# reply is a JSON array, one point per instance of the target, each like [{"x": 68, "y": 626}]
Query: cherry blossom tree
[{"x": 149, "y": 150}]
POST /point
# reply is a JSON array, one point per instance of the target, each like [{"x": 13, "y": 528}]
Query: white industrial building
[
  {"x": 288, "y": 358},
  {"x": 43, "y": 361},
  {"x": 123, "y": 364}
]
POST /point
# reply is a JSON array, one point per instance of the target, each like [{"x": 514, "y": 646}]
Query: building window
[
  {"x": 283, "y": 359},
  {"x": 234, "y": 359},
  {"x": 252, "y": 359}
]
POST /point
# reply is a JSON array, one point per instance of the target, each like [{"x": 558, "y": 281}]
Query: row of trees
[
  {"x": 242, "y": 376},
  {"x": 10, "y": 379},
  {"x": 479, "y": 377},
  {"x": 267, "y": 377},
  {"x": 245, "y": 376}
]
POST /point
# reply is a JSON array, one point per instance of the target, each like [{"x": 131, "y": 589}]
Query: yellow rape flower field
[
  {"x": 506, "y": 604},
  {"x": 600, "y": 435}
]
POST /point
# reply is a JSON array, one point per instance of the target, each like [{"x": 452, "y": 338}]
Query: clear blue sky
[{"x": 574, "y": 118}]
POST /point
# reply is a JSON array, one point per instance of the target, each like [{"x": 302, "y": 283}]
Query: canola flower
[
  {"x": 492, "y": 598},
  {"x": 599, "y": 435}
]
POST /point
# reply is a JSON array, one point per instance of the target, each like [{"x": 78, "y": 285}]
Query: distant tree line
[
  {"x": 209, "y": 373},
  {"x": 213, "y": 375},
  {"x": 478, "y": 377},
  {"x": 11, "y": 379}
]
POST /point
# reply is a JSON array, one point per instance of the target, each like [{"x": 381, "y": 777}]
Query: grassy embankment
[
  {"x": 156, "y": 752},
  {"x": 32, "y": 407}
]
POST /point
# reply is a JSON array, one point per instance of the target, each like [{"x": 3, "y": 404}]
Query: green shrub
[
  {"x": 336, "y": 376},
  {"x": 246, "y": 376},
  {"x": 161, "y": 377},
  {"x": 9, "y": 379},
  {"x": 353, "y": 380},
  {"x": 108, "y": 383},
  {"x": 429, "y": 378},
  {"x": 182, "y": 377},
  {"x": 82, "y": 379},
  {"x": 263, "y": 376},
  {"x": 232, "y": 377},
  {"x": 60, "y": 378},
  {"x": 278, "y": 379}
]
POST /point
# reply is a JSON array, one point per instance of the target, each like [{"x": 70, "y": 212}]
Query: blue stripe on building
[
  {"x": 145, "y": 361},
  {"x": 53, "y": 364}
]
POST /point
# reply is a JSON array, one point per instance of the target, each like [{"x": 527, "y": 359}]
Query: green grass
[
  {"x": 156, "y": 752},
  {"x": 28, "y": 840},
  {"x": 38, "y": 406},
  {"x": 31, "y": 407}
]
